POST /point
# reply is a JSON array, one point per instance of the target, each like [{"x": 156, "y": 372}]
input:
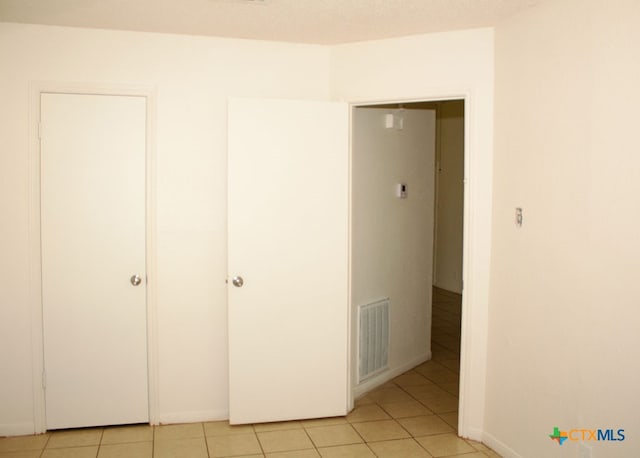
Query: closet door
[{"x": 93, "y": 259}]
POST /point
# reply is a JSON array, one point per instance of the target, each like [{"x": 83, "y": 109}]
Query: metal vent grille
[{"x": 374, "y": 338}]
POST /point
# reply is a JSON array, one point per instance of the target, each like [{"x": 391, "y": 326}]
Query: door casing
[
  {"x": 35, "y": 263},
  {"x": 468, "y": 392}
]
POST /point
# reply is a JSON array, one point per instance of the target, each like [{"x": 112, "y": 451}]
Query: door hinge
[{"x": 44, "y": 380}]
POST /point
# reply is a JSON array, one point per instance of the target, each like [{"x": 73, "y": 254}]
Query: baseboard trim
[
  {"x": 391, "y": 373},
  {"x": 474, "y": 434},
  {"x": 17, "y": 429},
  {"x": 498, "y": 446},
  {"x": 193, "y": 417}
]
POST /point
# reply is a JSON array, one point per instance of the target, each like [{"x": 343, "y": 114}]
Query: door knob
[
  {"x": 135, "y": 280},
  {"x": 237, "y": 281}
]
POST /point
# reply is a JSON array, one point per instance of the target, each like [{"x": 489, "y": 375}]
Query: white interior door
[
  {"x": 288, "y": 240},
  {"x": 93, "y": 242}
]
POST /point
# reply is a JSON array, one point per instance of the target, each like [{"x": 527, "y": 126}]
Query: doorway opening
[{"x": 407, "y": 198}]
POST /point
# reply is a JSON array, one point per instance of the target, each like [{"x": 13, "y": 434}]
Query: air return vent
[{"x": 374, "y": 338}]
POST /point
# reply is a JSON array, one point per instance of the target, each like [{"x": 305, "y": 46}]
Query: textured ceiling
[{"x": 302, "y": 21}]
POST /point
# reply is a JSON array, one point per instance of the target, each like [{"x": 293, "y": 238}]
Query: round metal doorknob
[
  {"x": 136, "y": 280},
  {"x": 237, "y": 281}
]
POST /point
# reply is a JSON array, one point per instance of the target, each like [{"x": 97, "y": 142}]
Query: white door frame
[
  {"x": 35, "y": 260},
  {"x": 473, "y": 347}
]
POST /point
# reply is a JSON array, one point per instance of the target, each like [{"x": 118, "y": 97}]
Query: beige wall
[
  {"x": 564, "y": 314},
  {"x": 450, "y": 196},
  {"x": 192, "y": 77}
]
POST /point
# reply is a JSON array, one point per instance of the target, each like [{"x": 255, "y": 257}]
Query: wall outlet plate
[{"x": 401, "y": 190}]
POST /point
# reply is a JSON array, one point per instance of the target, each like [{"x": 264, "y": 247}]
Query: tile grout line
[
  {"x": 100, "y": 442},
  {"x": 402, "y": 426},
  {"x": 315, "y": 447},
  {"x": 206, "y": 443},
  {"x": 258, "y": 439},
  {"x": 46, "y": 443}
]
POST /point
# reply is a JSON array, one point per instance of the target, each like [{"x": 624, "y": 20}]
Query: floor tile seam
[
  {"x": 369, "y": 421},
  {"x": 165, "y": 439},
  {"x": 325, "y": 426},
  {"x": 364, "y": 441},
  {"x": 129, "y": 442},
  {"x": 420, "y": 445},
  {"x": 415, "y": 398},
  {"x": 432, "y": 414},
  {"x": 46, "y": 443},
  {"x": 435, "y": 368},
  {"x": 65, "y": 446},
  {"x": 279, "y": 429},
  {"x": 439, "y": 415},
  {"x": 255, "y": 433},
  {"x": 404, "y": 438},
  {"x": 441, "y": 384},
  {"x": 345, "y": 445},
  {"x": 315, "y": 447},
  {"x": 204, "y": 435},
  {"x": 456, "y": 455},
  {"x": 476, "y": 450},
  {"x": 280, "y": 451},
  {"x": 450, "y": 378},
  {"x": 430, "y": 362},
  {"x": 206, "y": 444},
  {"x": 372, "y": 450},
  {"x": 411, "y": 416},
  {"x": 436, "y": 378},
  {"x": 216, "y": 436},
  {"x": 396, "y": 422}
]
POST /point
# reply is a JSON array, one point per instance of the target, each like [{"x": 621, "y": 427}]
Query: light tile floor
[{"x": 414, "y": 415}]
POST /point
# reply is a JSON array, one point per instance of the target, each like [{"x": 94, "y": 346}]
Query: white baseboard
[
  {"x": 193, "y": 417},
  {"x": 25, "y": 429},
  {"x": 498, "y": 446},
  {"x": 17, "y": 429},
  {"x": 389, "y": 374},
  {"x": 474, "y": 434}
]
